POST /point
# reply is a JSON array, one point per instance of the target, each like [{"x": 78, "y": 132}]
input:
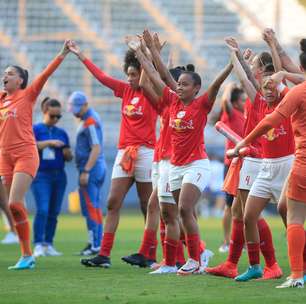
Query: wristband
[{"x": 85, "y": 171}]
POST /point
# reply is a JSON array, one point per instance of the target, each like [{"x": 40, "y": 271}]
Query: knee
[
  {"x": 236, "y": 212},
  {"x": 249, "y": 220},
  {"x": 185, "y": 212},
  {"x": 41, "y": 212},
  {"x": 152, "y": 208},
  {"x": 113, "y": 204},
  {"x": 168, "y": 217}
]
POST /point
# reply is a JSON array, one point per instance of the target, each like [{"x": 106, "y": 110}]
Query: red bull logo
[
  {"x": 274, "y": 133},
  {"x": 6, "y": 113},
  {"x": 131, "y": 110},
  {"x": 180, "y": 124}
]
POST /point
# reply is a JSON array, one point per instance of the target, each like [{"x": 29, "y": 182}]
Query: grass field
[{"x": 64, "y": 280}]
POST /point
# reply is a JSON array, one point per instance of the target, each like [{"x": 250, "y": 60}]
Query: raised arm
[
  {"x": 148, "y": 67},
  {"x": 287, "y": 62},
  {"x": 232, "y": 42},
  {"x": 162, "y": 69},
  {"x": 148, "y": 89},
  {"x": 38, "y": 83},
  {"x": 214, "y": 87},
  {"x": 112, "y": 83},
  {"x": 269, "y": 38},
  {"x": 245, "y": 82}
]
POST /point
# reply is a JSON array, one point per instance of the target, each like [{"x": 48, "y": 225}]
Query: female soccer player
[
  {"x": 292, "y": 106},
  {"x": 189, "y": 170},
  {"x": 50, "y": 182},
  {"x": 278, "y": 149},
  {"x": 248, "y": 174},
  {"x": 19, "y": 158},
  {"x": 136, "y": 143}
]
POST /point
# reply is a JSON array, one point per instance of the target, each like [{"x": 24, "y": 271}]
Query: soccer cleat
[
  {"x": 226, "y": 269},
  {"x": 25, "y": 262},
  {"x": 223, "y": 248},
  {"x": 190, "y": 267},
  {"x": 10, "y": 238},
  {"x": 253, "y": 272},
  {"x": 273, "y": 272},
  {"x": 304, "y": 277},
  {"x": 51, "y": 251},
  {"x": 97, "y": 261},
  {"x": 165, "y": 269},
  {"x": 294, "y": 283},
  {"x": 137, "y": 259},
  {"x": 39, "y": 251}
]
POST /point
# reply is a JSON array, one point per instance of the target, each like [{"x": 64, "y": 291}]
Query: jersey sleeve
[
  {"x": 91, "y": 126},
  {"x": 36, "y": 86},
  {"x": 206, "y": 104},
  {"x": 66, "y": 139},
  {"x": 290, "y": 103},
  {"x": 167, "y": 98},
  {"x": 117, "y": 86}
]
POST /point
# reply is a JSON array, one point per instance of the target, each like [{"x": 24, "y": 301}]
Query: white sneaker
[
  {"x": 190, "y": 267},
  {"x": 39, "y": 250},
  {"x": 223, "y": 248},
  {"x": 51, "y": 251},
  {"x": 10, "y": 238},
  {"x": 206, "y": 255},
  {"x": 294, "y": 283},
  {"x": 164, "y": 270}
]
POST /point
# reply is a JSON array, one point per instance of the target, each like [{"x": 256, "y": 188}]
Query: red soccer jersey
[
  {"x": 279, "y": 141},
  {"x": 187, "y": 124},
  {"x": 163, "y": 145},
  {"x": 138, "y": 116},
  {"x": 235, "y": 121},
  {"x": 252, "y": 119},
  {"x": 16, "y": 111}
]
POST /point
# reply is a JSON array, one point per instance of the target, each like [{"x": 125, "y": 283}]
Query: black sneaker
[
  {"x": 97, "y": 261},
  {"x": 136, "y": 259}
]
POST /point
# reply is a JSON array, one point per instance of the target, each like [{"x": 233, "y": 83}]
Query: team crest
[
  {"x": 181, "y": 114},
  {"x": 135, "y": 100}
]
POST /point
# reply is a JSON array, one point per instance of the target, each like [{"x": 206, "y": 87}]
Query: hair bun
[
  {"x": 303, "y": 45},
  {"x": 190, "y": 67}
]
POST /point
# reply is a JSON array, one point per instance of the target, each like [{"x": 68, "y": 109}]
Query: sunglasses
[{"x": 52, "y": 116}]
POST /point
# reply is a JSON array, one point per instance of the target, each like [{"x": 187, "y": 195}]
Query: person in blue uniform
[
  {"x": 49, "y": 185},
  {"x": 91, "y": 164}
]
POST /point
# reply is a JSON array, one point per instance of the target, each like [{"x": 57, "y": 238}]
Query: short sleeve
[
  {"x": 290, "y": 102},
  {"x": 66, "y": 139},
  {"x": 91, "y": 126},
  {"x": 205, "y": 103},
  {"x": 168, "y": 97}
]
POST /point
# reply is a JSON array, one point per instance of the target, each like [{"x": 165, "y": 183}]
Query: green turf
[{"x": 64, "y": 280}]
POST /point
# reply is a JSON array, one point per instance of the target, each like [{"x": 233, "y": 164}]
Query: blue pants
[
  {"x": 48, "y": 188},
  {"x": 90, "y": 197}
]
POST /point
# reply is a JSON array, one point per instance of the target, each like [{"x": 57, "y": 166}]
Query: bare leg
[
  {"x": 144, "y": 191},
  {"x": 119, "y": 189}
]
